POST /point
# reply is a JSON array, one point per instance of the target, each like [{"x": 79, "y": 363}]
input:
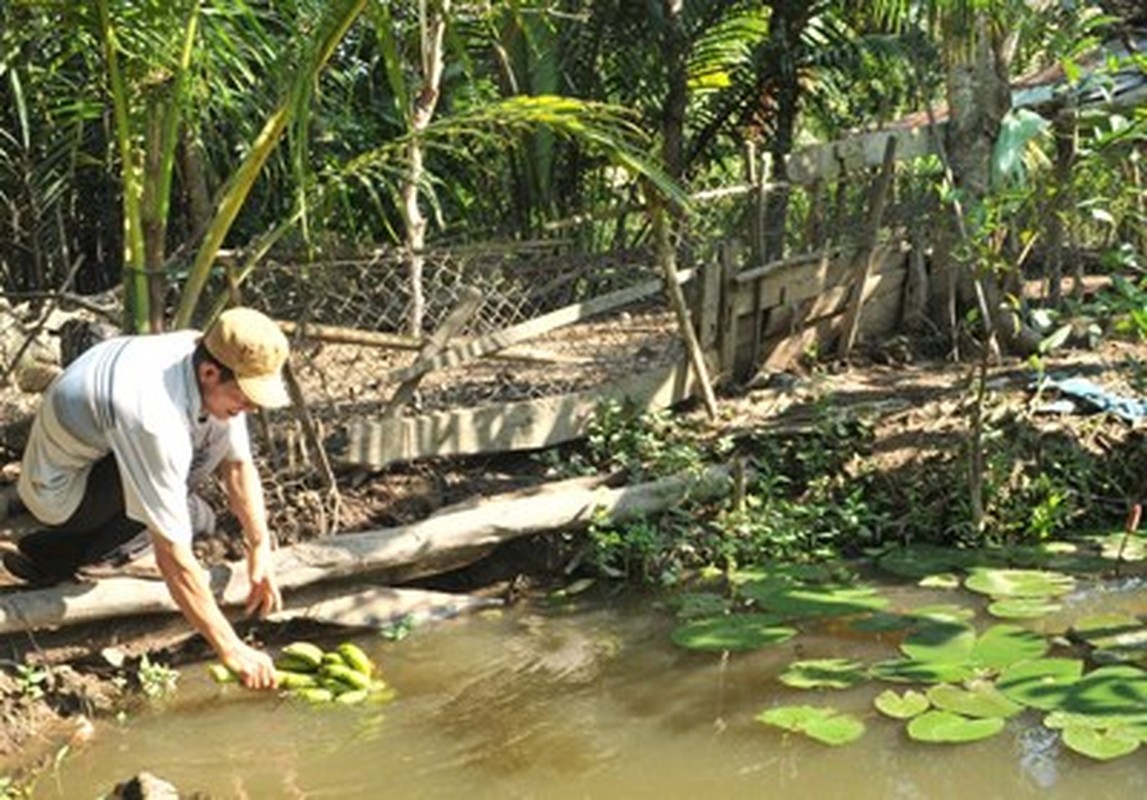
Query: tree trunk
[
  {"x": 979, "y": 95},
  {"x": 446, "y": 541},
  {"x": 433, "y": 30}
]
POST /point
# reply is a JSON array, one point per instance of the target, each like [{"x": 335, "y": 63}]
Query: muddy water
[{"x": 587, "y": 701}]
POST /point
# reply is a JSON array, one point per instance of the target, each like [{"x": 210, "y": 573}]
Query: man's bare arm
[
  {"x": 245, "y": 497},
  {"x": 192, "y": 593}
]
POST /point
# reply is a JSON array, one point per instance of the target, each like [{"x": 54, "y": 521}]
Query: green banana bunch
[{"x": 345, "y": 675}]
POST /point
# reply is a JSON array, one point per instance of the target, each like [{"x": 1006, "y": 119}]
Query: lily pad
[
  {"x": 732, "y": 632},
  {"x": 782, "y": 575},
  {"x": 918, "y": 561},
  {"x": 901, "y": 706},
  {"x": 1112, "y": 637},
  {"x": 892, "y": 621},
  {"x": 981, "y": 701},
  {"x": 1113, "y": 691},
  {"x": 906, "y": 670},
  {"x": 1102, "y": 745},
  {"x": 1023, "y": 608},
  {"x": 824, "y": 673},
  {"x": 940, "y": 580},
  {"x": 1041, "y": 683},
  {"x": 946, "y": 727},
  {"x": 1058, "y": 720},
  {"x": 1010, "y": 583},
  {"x": 881, "y": 622},
  {"x": 797, "y": 602},
  {"x": 1118, "y": 546},
  {"x": 942, "y": 612},
  {"x": 694, "y": 605},
  {"x": 940, "y": 642},
  {"x": 1003, "y": 645},
  {"x": 826, "y": 725}
]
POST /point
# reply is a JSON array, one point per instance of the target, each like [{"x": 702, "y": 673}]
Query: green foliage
[
  {"x": 156, "y": 680},
  {"x": 33, "y": 680},
  {"x": 804, "y": 503},
  {"x": 826, "y": 725},
  {"x": 645, "y": 445},
  {"x": 399, "y": 630},
  {"x": 11, "y": 789}
]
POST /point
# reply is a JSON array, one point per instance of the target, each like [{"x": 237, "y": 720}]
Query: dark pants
[{"x": 99, "y": 525}]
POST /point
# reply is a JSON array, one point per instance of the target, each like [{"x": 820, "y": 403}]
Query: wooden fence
[{"x": 745, "y": 321}]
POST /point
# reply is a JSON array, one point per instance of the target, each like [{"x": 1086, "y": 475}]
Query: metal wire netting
[{"x": 516, "y": 284}]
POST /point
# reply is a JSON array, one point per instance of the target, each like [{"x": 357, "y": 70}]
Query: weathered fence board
[
  {"x": 499, "y": 340},
  {"x": 831, "y": 161},
  {"x": 526, "y": 425}
]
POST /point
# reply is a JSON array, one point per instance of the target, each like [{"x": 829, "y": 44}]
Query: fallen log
[
  {"x": 446, "y": 541},
  {"x": 380, "y": 607}
]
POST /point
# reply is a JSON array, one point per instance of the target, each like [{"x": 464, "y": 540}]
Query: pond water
[{"x": 585, "y": 700}]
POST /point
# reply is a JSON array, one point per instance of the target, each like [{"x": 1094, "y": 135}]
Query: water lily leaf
[
  {"x": 1003, "y": 645},
  {"x": 905, "y": 670},
  {"x": 1009, "y": 583},
  {"x": 782, "y": 574},
  {"x": 943, "y": 612},
  {"x": 824, "y": 673},
  {"x": 882, "y": 621},
  {"x": 732, "y": 632},
  {"x": 796, "y": 602},
  {"x": 1119, "y": 546},
  {"x": 901, "y": 706},
  {"x": 893, "y": 621},
  {"x": 1041, "y": 683},
  {"x": 693, "y": 605},
  {"x": 940, "y": 580},
  {"x": 940, "y": 641},
  {"x": 1102, "y": 745},
  {"x": 1116, "y": 690},
  {"x": 1113, "y": 637},
  {"x": 826, "y": 725},
  {"x": 921, "y": 560},
  {"x": 1135, "y": 725},
  {"x": 982, "y": 701},
  {"x": 1023, "y": 608},
  {"x": 946, "y": 727}
]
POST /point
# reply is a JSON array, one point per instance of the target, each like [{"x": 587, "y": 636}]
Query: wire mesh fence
[{"x": 516, "y": 284}]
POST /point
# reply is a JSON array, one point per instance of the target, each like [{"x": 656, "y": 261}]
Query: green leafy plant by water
[
  {"x": 964, "y": 682},
  {"x": 826, "y": 725}
]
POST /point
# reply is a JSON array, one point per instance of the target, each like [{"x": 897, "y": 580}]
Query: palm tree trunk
[{"x": 787, "y": 26}]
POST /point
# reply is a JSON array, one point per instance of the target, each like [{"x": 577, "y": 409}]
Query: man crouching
[{"x": 121, "y": 438}]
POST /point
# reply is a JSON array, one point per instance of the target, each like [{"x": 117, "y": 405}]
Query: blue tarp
[{"x": 1082, "y": 396}]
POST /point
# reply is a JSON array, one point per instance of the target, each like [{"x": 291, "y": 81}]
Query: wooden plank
[
  {"x": 500, "y": 340},
  {"x": 831, "y": 160},
  {"x": 708, "y": 304},
  {"x": 335, "y": 334},
  {"x": 467, "y": 306},
  {"x": 339, "y": 335},
  {"x": 832, "y": 302},
  {"x": 526, "y": 425},
  {"x": 785, "y": 347},
  {"x": 863, "y": 264},
  {"x": 727, "y": 344},
  {"x": 786, "y": 264},
  {"x": 801, "y": 281}
]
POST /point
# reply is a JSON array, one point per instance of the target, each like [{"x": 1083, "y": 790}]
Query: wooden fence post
[
  {"x": 727, "y": 332},
  {"x": 467, "y": 306},
  {"x": 862, "y": 265},
  {"x": 708, "y": 309}
]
